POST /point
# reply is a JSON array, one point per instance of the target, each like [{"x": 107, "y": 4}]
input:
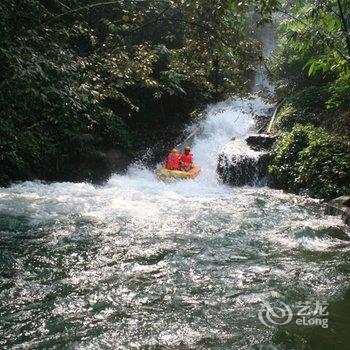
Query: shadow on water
[
  {"x": 14, "y": 223},
  {"x": 336, "y": 336}
]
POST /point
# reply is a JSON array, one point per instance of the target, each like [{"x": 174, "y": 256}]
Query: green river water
[{"x": 141, "y": 264}]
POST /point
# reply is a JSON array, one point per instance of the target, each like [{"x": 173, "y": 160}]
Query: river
[{"x": 142, "y": 264}]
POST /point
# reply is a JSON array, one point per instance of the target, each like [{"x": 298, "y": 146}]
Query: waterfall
[{"x": 244, "y": 160}]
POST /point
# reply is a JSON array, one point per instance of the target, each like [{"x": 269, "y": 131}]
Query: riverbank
[{"x": 312, "y": 155}]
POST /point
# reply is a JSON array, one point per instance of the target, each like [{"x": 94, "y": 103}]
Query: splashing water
[{"x": 141, "y": 264}]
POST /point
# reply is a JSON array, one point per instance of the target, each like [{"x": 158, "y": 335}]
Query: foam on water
[
  {"x": 139, "y": 194},
  {"x": 139, "y": 263},
  {"x": 232, "y": 118}
]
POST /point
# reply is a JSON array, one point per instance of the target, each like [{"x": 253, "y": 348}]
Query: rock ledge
[{"x": 340, "y": 206}]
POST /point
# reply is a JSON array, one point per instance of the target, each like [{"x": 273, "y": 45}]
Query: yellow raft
[{"x": 166, "y": 174}]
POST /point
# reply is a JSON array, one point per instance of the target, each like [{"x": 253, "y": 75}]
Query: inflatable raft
[{"x": 166, "y": 174}]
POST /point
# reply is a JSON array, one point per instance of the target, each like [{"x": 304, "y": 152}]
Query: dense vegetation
[
  {"x": 312, "y": 71},
  {"x": 312, "y": 158},
  {"x": 79, "y": 78}
]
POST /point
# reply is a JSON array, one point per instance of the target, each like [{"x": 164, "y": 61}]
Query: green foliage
[
  {"x": 340, "y": 90},
  {"x": 78, "y": 77},
  {"x": 310, "y": 158},
  {"x": 304, "y": 107},
  {"x": 311, "y": 70},
  {"x": 315, "y": 49}
]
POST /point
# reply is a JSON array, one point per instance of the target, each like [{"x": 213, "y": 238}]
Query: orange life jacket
[
  {"x": 173, "y": 161},
  {"x": 186, "y": 159}
]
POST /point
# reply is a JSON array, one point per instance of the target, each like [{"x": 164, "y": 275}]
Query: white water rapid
[{"x": 142, "y": 264}]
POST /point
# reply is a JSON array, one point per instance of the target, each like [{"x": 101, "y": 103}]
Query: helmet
[
  {"x": 188, "y": 149},
  {"x": 174, "y": 150}
]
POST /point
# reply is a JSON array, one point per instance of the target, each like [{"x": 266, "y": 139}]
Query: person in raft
[
  {"x": 186, "y": 160},
  {"x": 173, "y": 160}
]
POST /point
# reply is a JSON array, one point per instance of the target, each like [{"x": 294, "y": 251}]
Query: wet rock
[
  {"x": 261, "y": 142},
  {"x": 340, "y": 206},
  {"x": 262, "y": 121},
  {"x": 5, "y": 180},
  {"x": 106, "y": 164},
  {"x": 243, "y": 170},
  {"x": 117, "y": 160},
  {"x": 246, "y": 162}
]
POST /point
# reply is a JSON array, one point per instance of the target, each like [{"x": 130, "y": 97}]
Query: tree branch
[
  {"x": 329, "y": 8},
  {"x": 159, "y": 18},
  {"x": 330, "y": 45},
  {"x": 106, "y": 3},
  {"x": 155, "y": 20},
  {"x": 63, "y": 5},
  {"x": 345, "y": 27}
]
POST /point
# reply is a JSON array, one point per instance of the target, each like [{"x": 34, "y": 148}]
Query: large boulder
[
  {"x": 112, "y": 161},
  {"x": 117, "y": 161},
  {"x": 246, "y": 161},
  {"x": 340, "y": 206},
  {"x": 261, "y": 142},
  {"x": 238, "y": 170},
  {"x": 5, "y": 180}
]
